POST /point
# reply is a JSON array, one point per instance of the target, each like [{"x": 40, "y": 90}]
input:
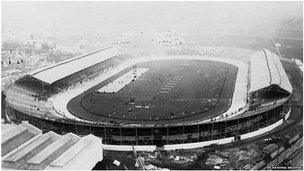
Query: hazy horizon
[{"x": 81, "y": 17}]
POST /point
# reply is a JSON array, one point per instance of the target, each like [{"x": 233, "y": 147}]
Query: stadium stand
[
  {"x": 26, "y": 100},
  {"x": 267, "y": 70},
  {"x": 30, "y": 93},
  {"x": 24, "y": 147},
  {"x": 50, "y": 74},
  {"x": 268, "y": 79}
]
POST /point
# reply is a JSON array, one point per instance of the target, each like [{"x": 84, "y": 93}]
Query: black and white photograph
[{"x": 151, "y": 85}]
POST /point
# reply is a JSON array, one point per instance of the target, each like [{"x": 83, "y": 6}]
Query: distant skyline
[{"x": 81, "y": 17}]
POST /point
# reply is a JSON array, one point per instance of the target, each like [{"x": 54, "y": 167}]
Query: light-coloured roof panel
[
  {"x": 63, "y": 69},
  {"x": 11, "y": 133},
  {"x": 48, "y": 151},
  {"x": 266, "y": 69},
  {"x": 26, "y": 150},
  {"x": 259, "y": 72},
  {"x": 81, "y": 156}
]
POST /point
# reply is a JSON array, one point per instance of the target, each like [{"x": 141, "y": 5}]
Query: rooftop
[
  {"x": 53, "y": 73},
  {"x": 266, "y": 69},
  {"x": 25, "y": 147}
]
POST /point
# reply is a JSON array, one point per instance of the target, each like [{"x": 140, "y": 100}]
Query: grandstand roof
[
  {"x": 266, "y": 69},
  {"x": 25, "y": 147},
  {"x": 68, "y": 67}
]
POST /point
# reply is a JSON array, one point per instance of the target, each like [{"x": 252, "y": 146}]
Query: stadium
[{"x": 170, "y": 101}]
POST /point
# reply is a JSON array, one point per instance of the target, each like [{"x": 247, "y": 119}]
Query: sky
[{"x": 79, "y": 17}]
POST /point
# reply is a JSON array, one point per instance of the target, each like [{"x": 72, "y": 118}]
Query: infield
[{"x": 168, "y": 91}]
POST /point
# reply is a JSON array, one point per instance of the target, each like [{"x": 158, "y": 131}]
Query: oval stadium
[{"x": 169, "y": 101}]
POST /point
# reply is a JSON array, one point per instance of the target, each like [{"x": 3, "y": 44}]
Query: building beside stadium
[
  {"x": 25, "y": 147},
  {"x": 170, "y": 101}
]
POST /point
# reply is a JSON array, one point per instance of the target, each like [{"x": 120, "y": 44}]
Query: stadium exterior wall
[
  {"x": 199, "y": 144},
  {"x": 266, "y": 129},
  {"x": 147, "y": 138}
]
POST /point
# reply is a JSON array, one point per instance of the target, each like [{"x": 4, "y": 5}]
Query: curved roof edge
[{"x": 266, "y": 69}]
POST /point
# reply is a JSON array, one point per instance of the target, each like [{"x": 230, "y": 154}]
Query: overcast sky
[{"x": 75, "y": 17}]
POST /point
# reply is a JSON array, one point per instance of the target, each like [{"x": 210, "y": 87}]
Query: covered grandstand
[
  {"x": 268, "y": 79},
  {"x": 30, "y": 93},
  {"x": 267, "y": 71},
  {"x": 69, "y": 67}
]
